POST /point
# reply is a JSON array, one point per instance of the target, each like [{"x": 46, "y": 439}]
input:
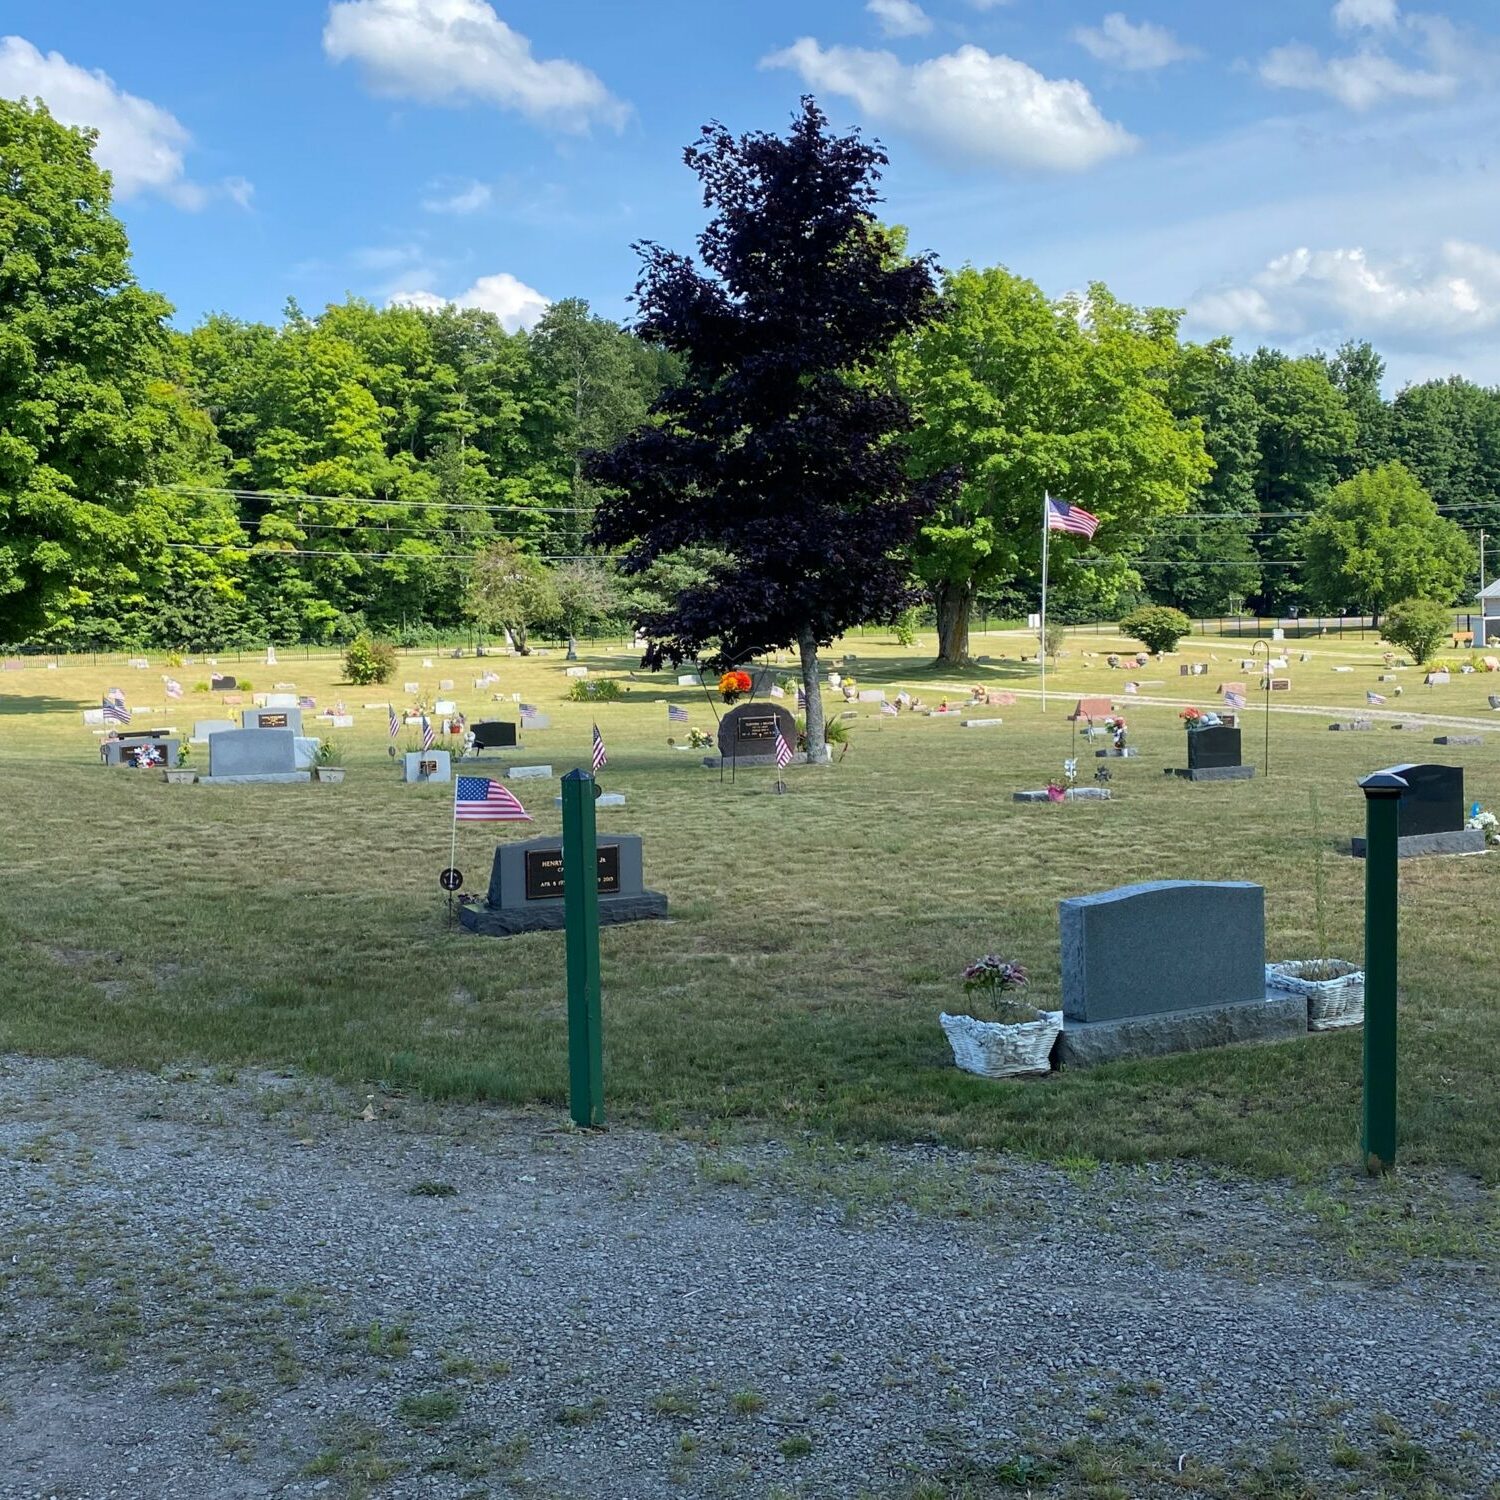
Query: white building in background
[{"x": 1487, "y": 617}]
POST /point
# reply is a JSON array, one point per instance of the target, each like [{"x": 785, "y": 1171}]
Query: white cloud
[
  {"x": 900, "y": 17},
  {"x": 238, "y": 190},
  {"x": 1360, "y": 80},
  {"x": 453, "y": 198},
  {"x": 1137, "y": 46},
  {"x": 513, "y": 302},
  {"x": 1452, "y": 295},
  {"x": 967, "y": 103},
  {"x": 140, "y": 143},
  {"x": 1372, "y": 15},
  {"x": 457, "y": 51}
]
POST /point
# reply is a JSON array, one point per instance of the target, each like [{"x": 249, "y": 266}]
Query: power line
[
  {"x": 259, "y": 550},
  {"x": 358, "y": 500}
]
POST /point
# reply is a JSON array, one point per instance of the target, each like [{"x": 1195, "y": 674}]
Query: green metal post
[
  {"x": 581, "y": 912},
  {"x": 1382, "y": 821}
]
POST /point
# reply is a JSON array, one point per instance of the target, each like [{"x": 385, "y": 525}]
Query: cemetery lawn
[{"x": 814, "y": 937}]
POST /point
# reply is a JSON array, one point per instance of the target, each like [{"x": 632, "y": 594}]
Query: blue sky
[{"x": 1288, "y": 171}]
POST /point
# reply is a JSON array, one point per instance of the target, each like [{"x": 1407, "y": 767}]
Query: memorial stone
[
  {"x": 1430, "y": 816},
  {"x": 527, "y": 885},
  {"x": 245, "y": 755},
  {"x": 1136, "y": 984},
  {"x": 747, "y": 735}
]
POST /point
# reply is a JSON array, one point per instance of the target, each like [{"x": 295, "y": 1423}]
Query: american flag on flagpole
[
  {"x": 115, "y": 711},
  {"x": 888, "y": 708},
  {"x": 1373, "y": 697},
  {"x": 393, "y": 724},
  {"x": 1233, "y": 699},
  {"x": 783, "y": 750},
  {"x": 477, "y": 799},
  {"x": 777, "y": 691},
  {"x": 427, "y": 733},
  {"x": 1064, "y": 517},
  {"x": 600, "y": 758},
  {"x": 676, "y": 714},
  {"x": 801, "y": 697}
]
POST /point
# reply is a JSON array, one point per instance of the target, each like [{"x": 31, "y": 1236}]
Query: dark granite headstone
[
  {"x": 1213, "y": 745},
  {"x": 1430, "y": 818},
  {"x": 495, "y": 734},
  {"x": 1434, "y": 801},
  {"x": 747, "y": 733},
  {"x": 527, "y": 887}
]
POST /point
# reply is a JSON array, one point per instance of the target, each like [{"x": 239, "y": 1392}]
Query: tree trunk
[
  {"x": 817, "y": 742},
  {"x": 954, "y": 601},
  {"x": 519, "y": 640}
]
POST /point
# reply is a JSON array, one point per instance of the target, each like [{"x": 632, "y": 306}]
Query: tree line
[{"x": 406, "y": 471}]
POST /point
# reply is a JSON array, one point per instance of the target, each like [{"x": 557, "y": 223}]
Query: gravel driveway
[{"x": 241, "y": 1287}]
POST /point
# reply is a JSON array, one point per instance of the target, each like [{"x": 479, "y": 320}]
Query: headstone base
[
  {"x": 1415, "y": 845},
  {"x": 1112, "y": 754},
  {"x": 1212, "y": 773},
  {"x": 550, "y": 916},
  {"x": 748, "y": 762},
  {"x": 1459, "y": 739},
  {"x": 276, "y": 776},
  {"x": 1087, "y": 1044},
  {"x": 1073, "y": 794}
]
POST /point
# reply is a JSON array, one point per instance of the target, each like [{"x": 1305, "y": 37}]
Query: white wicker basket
[
  {"x": 997, "y": 1049},
  {"x": 1331, "y": 1003}
]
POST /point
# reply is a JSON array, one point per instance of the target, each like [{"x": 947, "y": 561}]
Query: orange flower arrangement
[{"x": 734, "y": 685}]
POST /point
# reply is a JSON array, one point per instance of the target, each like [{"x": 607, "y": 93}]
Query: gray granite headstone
[
  {"x": 747, "y": 735},
  {"x": 527, "y": 887},
  {"x": 236, "y": 755},
  {"x": 1167, "y": 966},
  {"x": 273, "y": 718},
  {"x": 202, "y": 728}
]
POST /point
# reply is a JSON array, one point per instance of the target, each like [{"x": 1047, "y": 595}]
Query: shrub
[
  {"x": 369, "y": 661},
  {"x": 1157, "y": 627},
  {"x": 606, "y": 690},
  {"x": 1056, "y": 638},
  {"x": 906, "y": 628},
  {"x": 200, "y": 687},
  {"x": 1418, "y": 625}
]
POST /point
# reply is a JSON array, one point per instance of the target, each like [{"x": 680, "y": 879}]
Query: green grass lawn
[{"x": 814, "y": 937}]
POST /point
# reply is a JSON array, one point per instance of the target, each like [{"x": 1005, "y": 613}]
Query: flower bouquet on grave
[
  {"x": 1020, "y": 1038},
  {"x": 699, "y": 739},
  {"x": 1487, "y": 822},
  {"x": 1191, "y": 717},
  {"x": 734, "y": 685}
]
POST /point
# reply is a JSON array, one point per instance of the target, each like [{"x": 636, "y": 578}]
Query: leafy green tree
[
  {"x": 586, "y": 595},
  {"x": 1357, "y": 370},
  {"x": 1418, "y": 625},
  {"x": 1025, "y": 395},
  {"x": 368, "y": 661},
  {"x": 1306, "y": 433},
  {"x": 1447, "y": 432},
  {"x": 88, "y": 406},
  {"x": 1156, "y": 626},
  {"x": 1379, "y": 537},
  {"x": 511, "y": 590}
]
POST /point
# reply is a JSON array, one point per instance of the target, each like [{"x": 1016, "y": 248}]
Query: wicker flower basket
[
  {"x": 1331, "y": 1003},
  {"x": 999, "y": 1049}
]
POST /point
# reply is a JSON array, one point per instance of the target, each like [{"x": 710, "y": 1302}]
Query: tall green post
[
  {"x": 1382, "y": 824},
  {"x": 581, "y": 912}
]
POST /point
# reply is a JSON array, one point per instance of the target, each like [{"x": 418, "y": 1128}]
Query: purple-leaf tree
[{"x": 779, "y": 453}]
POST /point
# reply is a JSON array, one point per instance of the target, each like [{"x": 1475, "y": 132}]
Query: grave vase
[
  {"x": 1000, "y": 1049},
  {"x": 1332, "y": 1003}
]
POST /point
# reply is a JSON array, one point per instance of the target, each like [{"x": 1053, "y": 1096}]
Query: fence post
[
  {"x": 581, "y": 914},
  {"x": 1382, "y": 792}
]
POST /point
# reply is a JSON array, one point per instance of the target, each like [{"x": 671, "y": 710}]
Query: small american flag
[
  {"x": 174, "y": 688},
  {"x": 676, "y": 714},
  {"x": 307, "y": 702},
  {"x": 777, "y": 691},
  {"x": 115, "y": 711},
  {"x": 1233, "y": 699},
  {"x": 393, "y": 724},
  {"x": 783, "y": 750},
  {"x": 600, "y": 758},
  {"x": 1373, "y": 697},
  {"x": 427, "y": 734},
  {"x": 477, "y": 799},
  {"x": 115, "y": 695},
  {"x": 801, "y": 697},
  {"x": 889, "y": 709},
  {"x": 1064, "y": 517}
]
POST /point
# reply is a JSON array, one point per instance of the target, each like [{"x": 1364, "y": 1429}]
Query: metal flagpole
[{"x": 1046, "y": 530}]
